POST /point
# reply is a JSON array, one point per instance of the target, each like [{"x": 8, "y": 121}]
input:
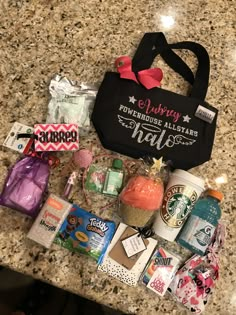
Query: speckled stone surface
[{"x": 81, "y": 39}]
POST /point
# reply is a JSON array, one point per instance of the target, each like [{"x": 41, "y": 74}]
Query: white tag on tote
[{"x": 205, "y": 114}]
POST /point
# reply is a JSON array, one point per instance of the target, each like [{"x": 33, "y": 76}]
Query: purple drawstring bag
[{"x": 25, "y": 185}]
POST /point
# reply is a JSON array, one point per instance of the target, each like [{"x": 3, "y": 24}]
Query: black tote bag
[{"x": 138, "y": 122}]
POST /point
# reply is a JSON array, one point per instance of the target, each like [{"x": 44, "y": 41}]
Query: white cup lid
[{"x": 190, "y": 177}]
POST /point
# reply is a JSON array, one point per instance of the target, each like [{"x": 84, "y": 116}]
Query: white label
[
  {"x": 197, "y": 232},
  {"x": 133, "y": 245},
  {"x": 20, "y": 145},
  {"x": 205, "y": 114}
]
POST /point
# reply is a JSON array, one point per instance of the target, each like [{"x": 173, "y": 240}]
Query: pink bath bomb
[{"x": 83, "y": 158}]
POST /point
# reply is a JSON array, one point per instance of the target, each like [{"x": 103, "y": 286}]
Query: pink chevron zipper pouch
[{"x": 56, "y": 137}]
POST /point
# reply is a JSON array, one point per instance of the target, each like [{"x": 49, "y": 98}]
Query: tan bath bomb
[{"x": 141, "y": 197}]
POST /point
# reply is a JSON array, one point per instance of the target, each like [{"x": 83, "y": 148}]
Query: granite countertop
[{"x": 81, "y": 39}]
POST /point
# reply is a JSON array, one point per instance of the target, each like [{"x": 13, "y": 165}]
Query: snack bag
[
  {"x": 25, "y": 185},
  {"x": 85, "y": 233},
  {"x": 193, "y": 283}
]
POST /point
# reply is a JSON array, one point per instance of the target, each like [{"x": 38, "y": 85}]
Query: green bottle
[
  {"x": 197, "y": 233},
  {"x": 114, "y": 179}
]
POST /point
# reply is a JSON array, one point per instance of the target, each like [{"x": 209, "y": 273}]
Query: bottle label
[
  {"x": 197, "y": 233},
  {"x": 177, "y": 204},
  {"x": 113, "y": 183}
]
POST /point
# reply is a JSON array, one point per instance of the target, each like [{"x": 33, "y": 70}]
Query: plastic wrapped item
[
  {"x": 25, "y": 185},
  {"x": 142, "y": 195},
  {"x": 85, "y": 233},
  {"x": 71, "y": 102},
  {"x": 98, "y": 177},
  {"x": 95, "y": 178},
  {"x": 193, "y": 283}
]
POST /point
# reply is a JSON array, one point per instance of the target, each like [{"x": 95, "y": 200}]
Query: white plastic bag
[{"x": 71, "y": 102}]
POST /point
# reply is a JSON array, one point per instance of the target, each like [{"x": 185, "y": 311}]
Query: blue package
[{"x": 85, "y": 233}]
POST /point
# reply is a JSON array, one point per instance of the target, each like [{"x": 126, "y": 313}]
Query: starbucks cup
[{"x": 181, "y": 193}]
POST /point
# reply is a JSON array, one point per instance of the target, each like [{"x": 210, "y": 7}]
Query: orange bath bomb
[{"x": 143, "y": 192}]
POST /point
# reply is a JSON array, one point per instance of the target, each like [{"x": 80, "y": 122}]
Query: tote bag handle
[{"x": 153, "y": 44}]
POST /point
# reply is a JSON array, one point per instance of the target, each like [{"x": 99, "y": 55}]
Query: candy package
[
  {"x": 193, "y": 283},
  {"x": 25, "y": 185},
  {"x": 71, "y": 102},
  {"x": 85, "y": 233}
]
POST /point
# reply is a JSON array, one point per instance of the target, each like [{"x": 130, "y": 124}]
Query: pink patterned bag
[{"x": 193, "y": 283}]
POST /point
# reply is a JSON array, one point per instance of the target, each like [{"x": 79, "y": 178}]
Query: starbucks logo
[{"x": 178, "y": 202}]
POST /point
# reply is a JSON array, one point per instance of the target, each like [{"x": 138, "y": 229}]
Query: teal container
[{"x": 197, "y": 233}]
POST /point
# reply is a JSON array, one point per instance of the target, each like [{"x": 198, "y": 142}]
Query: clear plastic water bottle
[{"x": 197, "y": 233}]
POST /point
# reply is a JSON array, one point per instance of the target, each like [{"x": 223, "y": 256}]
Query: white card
[
  {"x": 118, "y": 271},
  {"x": 133, "y": 245},
  {"x": 20, "y": 145}
]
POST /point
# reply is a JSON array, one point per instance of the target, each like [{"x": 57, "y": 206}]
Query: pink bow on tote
[{"x": 149, "y": 78}]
